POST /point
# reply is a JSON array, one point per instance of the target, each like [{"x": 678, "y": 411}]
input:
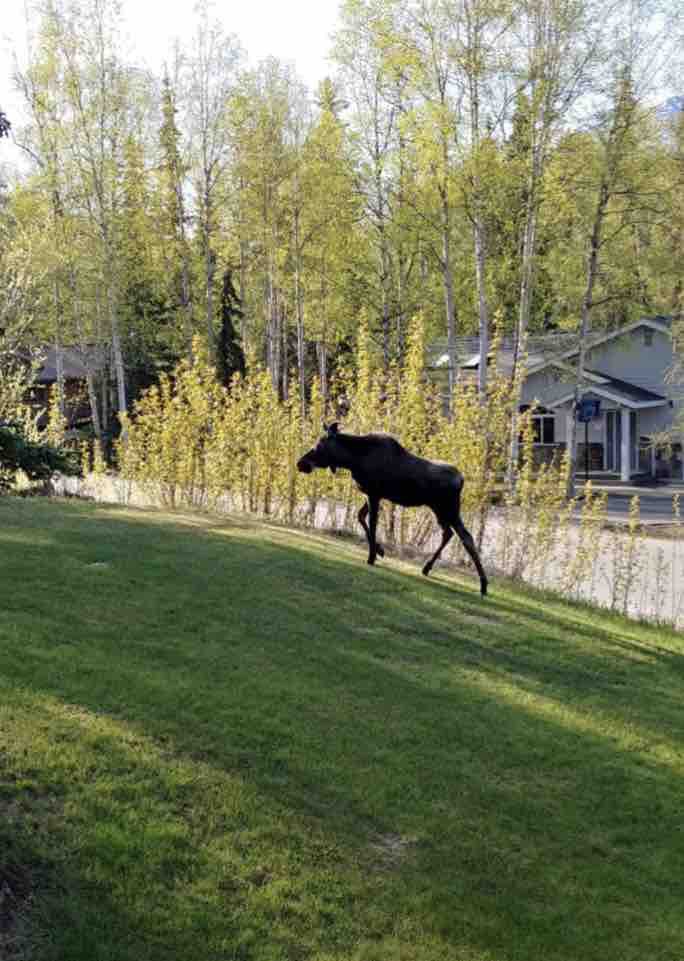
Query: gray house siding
[
  {"x": 631, "y": 358},
  {"x": 639, "y": 360}
]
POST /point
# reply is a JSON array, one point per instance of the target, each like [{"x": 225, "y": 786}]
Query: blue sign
[{"x": 587, "y": 409}]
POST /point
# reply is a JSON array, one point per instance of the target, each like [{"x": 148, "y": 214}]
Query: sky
[{"x": 297, "y": 31}]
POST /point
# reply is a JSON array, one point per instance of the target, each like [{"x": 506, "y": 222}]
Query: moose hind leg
[
  {"x": 363, "y": 514},
  {"x": 447, "y": 534},
  {"x": 469, "y": 544}
]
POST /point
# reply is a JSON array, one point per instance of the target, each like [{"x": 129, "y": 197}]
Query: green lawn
[{"x": 226, "y": 740}]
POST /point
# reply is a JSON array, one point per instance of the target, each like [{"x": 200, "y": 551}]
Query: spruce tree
[{"x": 230, "y": 359}]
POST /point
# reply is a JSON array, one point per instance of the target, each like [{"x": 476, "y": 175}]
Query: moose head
[{"x": 324, "y": 454}]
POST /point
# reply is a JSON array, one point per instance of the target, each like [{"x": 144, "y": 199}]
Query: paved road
[{"x": 654, "y": 508}]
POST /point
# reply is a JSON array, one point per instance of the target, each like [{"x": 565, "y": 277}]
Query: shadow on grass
[{"x": 531, "y": 762}]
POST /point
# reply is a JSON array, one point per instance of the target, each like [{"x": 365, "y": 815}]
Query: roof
[
  {"x": 619, "y": 391},
  {"x": 542, "y": 349},
  {"x": 594, "y": 338},
  {"x": 629, "y": 390},
  {"x": 74, "y": 361},
  {"x": 468, "y": 350}
]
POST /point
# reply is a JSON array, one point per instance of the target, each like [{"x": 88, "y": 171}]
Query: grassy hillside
[{"x": 224, "y": 740}]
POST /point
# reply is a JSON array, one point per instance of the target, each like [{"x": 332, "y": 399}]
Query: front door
[
  {"x": 613, "y": 441},
  {"x": 610, "y": 440},
  {"x": 633, "y": 441}
]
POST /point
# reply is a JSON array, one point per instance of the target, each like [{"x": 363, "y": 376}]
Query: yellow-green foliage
[
  {"x": 55, "y": 430},
  {"x": 190, "y": 441}
]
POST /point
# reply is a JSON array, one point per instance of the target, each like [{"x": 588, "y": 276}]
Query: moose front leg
[{"x": 363, "y": 514}]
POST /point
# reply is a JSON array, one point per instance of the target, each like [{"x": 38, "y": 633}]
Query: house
[
  {"x": 627, "y": 373},
  {"x": 76, "y": 404}
]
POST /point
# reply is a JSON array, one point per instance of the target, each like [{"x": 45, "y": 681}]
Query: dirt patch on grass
[{"x": 391, "y": 850}]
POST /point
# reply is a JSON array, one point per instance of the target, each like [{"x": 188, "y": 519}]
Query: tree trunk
[
  {"x": 284, "y": 352},
  {"x": 59, "y": 367},
  {"x": 520, "y": 337},
  {"x": 479, "y": 229},
  {"x": 587, "y": 303},
  {"x": 480, "y": 272},
  {"x": 299, "y": 306},
  {"x": 448, "y": 281},
  {"x": 90, "y": 374},
  {"x": 117, "y": 351},
  {"x": 209, "y": 273},
  {"x": 185, "y": 290},
  {"x": 322, "y": 351},
  {"x": 186, "y": 297},
  {"x": 384, "y": 281}
]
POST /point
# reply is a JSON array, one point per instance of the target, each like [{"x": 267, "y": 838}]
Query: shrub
[
  {"x": 35, "y": 459},
  {"x": 192, "y": 441}
]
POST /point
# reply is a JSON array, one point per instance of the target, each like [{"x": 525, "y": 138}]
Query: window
[
  {"x": 544, "y": 427},
  {"x": 543, "y": 424}
]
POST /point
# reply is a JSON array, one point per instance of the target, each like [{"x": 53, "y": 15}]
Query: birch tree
[
  {"x": 558, "y": 46},
  {"x": 42, "y": 85},
  {"x": 211, "y": 72},
  {"x": 358, "y": 50},
  {"x": 328, "y": 217},
  {"x": 640, "y": 50},
  {"x": 172, "y": 216},
  {"x": 96, "y": 87}
]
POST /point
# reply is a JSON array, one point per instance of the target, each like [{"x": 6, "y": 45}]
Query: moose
[{"x": 384, "y": 470}]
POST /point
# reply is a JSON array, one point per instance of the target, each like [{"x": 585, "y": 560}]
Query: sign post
[{"x": 587, "y": 409}]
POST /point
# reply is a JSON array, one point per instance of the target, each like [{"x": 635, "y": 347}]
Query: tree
[
  {"x": 212, "y": 70},
  {"x": 230, "y": 357},
  {"x": 261, "y": 113},
  {"x": 172, "y": 214},
  {"x": 97, "y": 90},
  {"x": 5, "y": 125},
  {"x": 37, "y": 459},
  {"x": 360, "y": 52},
  {"x": 620, "y": 191},
  {"x": 328, "y": 215},
  {"x": 561, "y": 41}
]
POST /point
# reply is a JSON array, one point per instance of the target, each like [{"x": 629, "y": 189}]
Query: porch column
[
  {"x": 625, "y": 447},
  {"x": 568, "y": 432}
]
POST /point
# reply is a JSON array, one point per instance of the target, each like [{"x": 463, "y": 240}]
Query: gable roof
[
  {"x": 74, "y": 361},
  {"x": 542, "y": 349},
  {"x": 658, "y": 323},
  {"x": 629, "y": 390},
  {"x": 619, "y": 391}
]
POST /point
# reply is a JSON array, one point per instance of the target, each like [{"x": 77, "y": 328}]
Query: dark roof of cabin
[{"x": 73, "y": 362}]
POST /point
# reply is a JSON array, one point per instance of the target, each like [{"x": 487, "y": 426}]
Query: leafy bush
[
  {"x": 37, "y": 460},
  {"x": 191, "y": 441}
]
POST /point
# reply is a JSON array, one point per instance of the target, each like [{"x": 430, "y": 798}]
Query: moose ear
[{"x": 333, "y": 429}]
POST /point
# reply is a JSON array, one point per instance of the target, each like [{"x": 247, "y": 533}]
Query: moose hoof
[
  {"x": 371, "y": 561},
  {"x": 381, "y": 551},
  {"x": 426, "y": 569}
]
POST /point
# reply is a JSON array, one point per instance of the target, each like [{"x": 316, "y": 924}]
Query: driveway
[{"x": 654, "y": 508}]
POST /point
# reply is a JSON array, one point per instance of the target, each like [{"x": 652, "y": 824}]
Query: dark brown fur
[{"x": 384, "y": 470}]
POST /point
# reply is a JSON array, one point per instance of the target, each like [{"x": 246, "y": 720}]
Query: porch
[{"x": 616, "y": 441}]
